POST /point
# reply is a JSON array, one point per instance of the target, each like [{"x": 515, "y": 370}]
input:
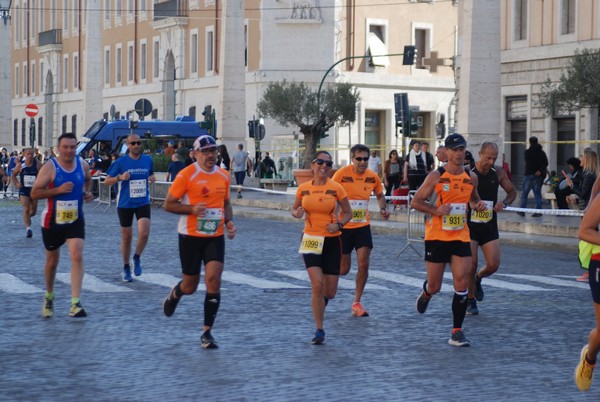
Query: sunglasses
[
  {"x": 365, "y": 159},
  {"x": 135, "y": 142},
  {"x": 207, "y": 151},
  {"x": 323, "y": 161}
]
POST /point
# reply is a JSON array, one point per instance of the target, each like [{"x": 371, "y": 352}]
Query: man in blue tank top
[
  {"x": 23, "y": 176},
  {"x": 133, "y": 172},
  {"x": 65, "y": 182},
  {"x": 483, "y": 225}
]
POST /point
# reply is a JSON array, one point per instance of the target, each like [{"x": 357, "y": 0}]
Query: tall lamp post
[{"x": 5, "y": 73}]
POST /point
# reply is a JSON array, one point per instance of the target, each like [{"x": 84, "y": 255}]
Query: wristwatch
[{"x": 505, "y": 204}]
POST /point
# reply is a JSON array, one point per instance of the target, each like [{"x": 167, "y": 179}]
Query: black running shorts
[
  {"x": 484, "y": 232},
  {"x": 56, "y": 236},
  {"x": 329, "y": 261},
  {"x": 194, "y": 250},
  {"x": 594, "y": 279},
  {"x": 355, "y": 238},
  {"x": 442, "y": 251},
  {"x": 126, "y": 214}
]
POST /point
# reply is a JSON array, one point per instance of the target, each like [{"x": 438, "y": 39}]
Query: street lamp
[{"x": 5, "y": 10}]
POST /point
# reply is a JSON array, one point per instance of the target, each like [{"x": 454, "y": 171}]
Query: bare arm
[
  {"x": 419, "y": 201},
  {"x": 87, "y": 187},
  {"x": 14, "y": 175},
  {"x": 509, "y": 188},
  {"x": 382, "y": 204},
  {"x": 588, "y": 228},
  {"x": 475, "y": 201}
]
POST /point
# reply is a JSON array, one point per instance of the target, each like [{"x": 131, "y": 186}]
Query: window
[
  {"x": 65, "y": 20},
  {"x": 106, "y": 66},
  {"x": 66, "y": 73},
  {"x": 118, "y": 65},
  {"x": 42, "y": 81},
  {"x": 15, "y": 132},
  {"x": 23, "y": 129},
  {"x": 246, "y": 45},
  {"x": 377, "y": 46},
  {"x": 142, "y": 6},
  {"x": 568, "y": 14},
  {"x": 74, "y": 124},
  {"x": 107, "y": 11},
  {"x": 155, "y": 58},
  {"x": 25, "y": 81},
  {"x": 521, "y": 19},
  {"x": 75, "y": 72},
  {"x": 33, "y": 77},
  {"x": 130, "y": 7},
  {"x": 143, "y": 59},
  {"x": 17, "y": 81},
  {"x": 118, "y": 10},
  {"x": 64, "y": 124},
  {"x": 16, "y": 20},
  {"x": 42, "y": 17},
  {"x": 130, "y": 63},
  {"x": 39, "y": 133},
  {"x": 33, "y": 29},
  {"x": 422, "y": 45},
  {"x": 194, "y": 53},
  {"x": 75, "y": 14},
  {"x": 53, "y": 15},
  {"x": 24, "y": 21},
  {"x": 209, "y": 50}
]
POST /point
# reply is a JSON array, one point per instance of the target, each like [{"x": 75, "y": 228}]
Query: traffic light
[
  {"x": 409, "y": 56},
  {"x": 32, "y": 133},
  {"x": 209, "y": 117},
  {"x": 401, "y": 108},
  {"x": 252, "y": 127}
]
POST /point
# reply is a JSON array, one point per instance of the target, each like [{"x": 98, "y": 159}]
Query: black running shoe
[
  {"x": 521, "y": 213},
  {"x": 319, "y": 338},
  {"x": 472, "y": 307},
  {"x": 478, "y": 289},
  {"x": 458, "y": 339},
  {"x": 422, "y": 303},
  {"x": 77, "y": 310},
  {"x": 208, "y": 342},
  {"x": 170, "y": 304},
  {"x": 29, "y": 233}
]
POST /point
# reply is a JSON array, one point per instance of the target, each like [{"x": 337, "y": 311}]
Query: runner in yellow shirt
[
  {"x": 359, "y": 182},
  {"x": 320, "y": 246}
]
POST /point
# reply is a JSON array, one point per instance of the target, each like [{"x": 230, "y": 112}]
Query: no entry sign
[{"x": 31, "y": 110}]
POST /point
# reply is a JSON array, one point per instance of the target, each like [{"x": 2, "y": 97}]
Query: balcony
[
  {"x": 170, "y": 9},
  {"x": 50, "y": 41}
]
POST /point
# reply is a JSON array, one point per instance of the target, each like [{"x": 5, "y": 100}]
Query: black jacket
[{"x": 535, "y": 159}]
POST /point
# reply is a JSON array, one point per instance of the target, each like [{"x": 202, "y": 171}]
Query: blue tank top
[
  {"x": 133, "y": 193},
  {"x": 67, "y": 208},
  {"x": 28, "y": 174}
]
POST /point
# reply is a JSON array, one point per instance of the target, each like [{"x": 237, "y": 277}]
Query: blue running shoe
[
  {"x": 319, "y": 338},
  {"x": 127, "y": 275},
  {"x": 137, "y": 266}
]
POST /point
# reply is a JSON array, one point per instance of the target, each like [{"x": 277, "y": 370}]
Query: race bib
[
  {"x": 28, "y": 180},
  {"x": 209, "y": 223},
  {"x": 137, "y": 188},
  {"x": 359, "y": 210},
  {"x": 66, "y": 212},
  {"x": 484, "y": 216},
  {"x": 455, "y": 220},
  {"x": 311, "y": 244}
]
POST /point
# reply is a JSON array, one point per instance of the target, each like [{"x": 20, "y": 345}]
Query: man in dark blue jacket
[{"x": 536, "y": 164}]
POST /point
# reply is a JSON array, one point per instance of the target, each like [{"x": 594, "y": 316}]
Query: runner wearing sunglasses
[
  {"x": 320, "y": 247},
  {"x": 359, "y": 182}
]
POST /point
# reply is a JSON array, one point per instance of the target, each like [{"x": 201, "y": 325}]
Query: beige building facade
[
  {"x": 80, "y": 61},
  {"x": 539, "y": 37}
]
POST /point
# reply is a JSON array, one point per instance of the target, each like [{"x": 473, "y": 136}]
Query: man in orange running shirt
[{"x": 359, "y": 182}]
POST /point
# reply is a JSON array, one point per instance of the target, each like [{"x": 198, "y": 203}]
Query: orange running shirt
[
  {"x": 319, "y": 203},
  {"x": 455, "y": 190},
  {"x": 359, "y": 188},
  {"x": 193, "y": 185}
]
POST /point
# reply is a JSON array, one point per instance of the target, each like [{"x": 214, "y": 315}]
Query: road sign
[{"x": 31, "y": 110}]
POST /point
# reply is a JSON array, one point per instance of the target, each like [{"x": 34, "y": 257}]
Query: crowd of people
[{"x": 459, "y": 198}]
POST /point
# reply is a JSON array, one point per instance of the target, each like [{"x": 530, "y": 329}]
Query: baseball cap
[
  {"x": 454, "y": 141},
  {"x": 204, "y": 142}
]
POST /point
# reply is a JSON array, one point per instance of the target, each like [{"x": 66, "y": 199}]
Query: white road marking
[
  {"x": 548, "y": 280},
  {"x": 166, "y": 280},
  {"x": 402, "y": 279},
  {"x": 343, "y": 283},
  {"x": 93, "y": 284},
  {"x": 243, "y": 279},
  {"x": 506, "y": 285},
  {"x": 11, "y": 284}
]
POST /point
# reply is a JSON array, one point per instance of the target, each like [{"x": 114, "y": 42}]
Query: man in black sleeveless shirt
[{"x": 483, "y": 226}]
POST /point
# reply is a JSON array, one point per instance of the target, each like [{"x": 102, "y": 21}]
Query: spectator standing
[
  {"x": 415, "y": 168},
  {"x": 270, "y": 168},
  {"x": 240, "y": 162},
  {"x": 536, "y": 165},
  {"x": 184, "y": 153},
  {"x": 375, "y": 163},
  {"x": 170, "y": 149},
  {"x": 223, "y": 159},
  {"x": 428, "y": 156},
  {"x": 392, "y": 172},
  {"x": 175, "y": 166},
  {"x": 440, "y": 154}
]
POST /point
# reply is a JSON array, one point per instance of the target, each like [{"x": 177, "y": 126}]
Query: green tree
[
  {"x": 290, "y": 103},
  {"x": 578, "y": 86}
]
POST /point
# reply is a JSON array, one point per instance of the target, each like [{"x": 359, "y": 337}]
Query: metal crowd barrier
[
  {"x": 159, "y": 191},
  {"x": 104, "y": 197},
  {"x": 415, "y": 233}
]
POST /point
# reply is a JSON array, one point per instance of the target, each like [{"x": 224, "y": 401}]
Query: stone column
[
  {"x": 231, "y": 108},
  {"x": 92, "y": 73},
  {"x": 479, "y": 93},
  {"x": 6, "y": 89}
]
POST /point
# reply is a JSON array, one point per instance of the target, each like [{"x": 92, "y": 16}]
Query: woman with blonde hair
[{"x": 591, "y": 168}]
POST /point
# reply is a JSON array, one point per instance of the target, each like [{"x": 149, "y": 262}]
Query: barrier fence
[
  {"x": 104, "y": 196},
  {"x": 415, "y": 232}
]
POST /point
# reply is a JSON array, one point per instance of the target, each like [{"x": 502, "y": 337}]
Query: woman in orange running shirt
[{"x": 321, "y": 245}]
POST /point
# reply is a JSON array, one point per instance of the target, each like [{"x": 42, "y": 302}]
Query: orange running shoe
[
  {"x": 584, "y": 277},
  {"x": 358, "y": 310}
]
